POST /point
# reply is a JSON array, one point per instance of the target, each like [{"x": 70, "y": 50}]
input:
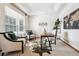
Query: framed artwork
[{"x": 71, "y": 21}]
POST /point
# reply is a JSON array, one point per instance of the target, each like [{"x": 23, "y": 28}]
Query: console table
[{"x": 50, "y": 47}]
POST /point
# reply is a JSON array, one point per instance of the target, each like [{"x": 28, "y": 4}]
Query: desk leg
[
  {"x": 41, "y": 43},
  {"x": 48, "y": 52},
  {"x": 41, "y": 48},
  {"x": 41, "y": 54}
]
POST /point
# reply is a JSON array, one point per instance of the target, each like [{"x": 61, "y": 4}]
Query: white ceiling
[{"x": 42, "y": 8}]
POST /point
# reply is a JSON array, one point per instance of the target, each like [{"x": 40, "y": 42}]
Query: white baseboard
[{"x": 70, "y": 45}]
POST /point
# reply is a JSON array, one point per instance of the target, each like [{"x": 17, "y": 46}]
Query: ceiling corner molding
[{"x": 18, "y": 6}]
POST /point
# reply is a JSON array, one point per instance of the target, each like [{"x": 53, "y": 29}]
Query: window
[
  {"x": 10, "y": 23},
  {"x": 21, "y": 25},
  {"x": 14, "y": 21}
]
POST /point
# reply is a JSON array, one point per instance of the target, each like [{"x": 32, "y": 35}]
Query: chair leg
[
  {"x": 48, "y": 52},
  {"x": 2, "y": 54},
  {"x": 41, "y": 54},
  {"x": 22, "y": 51},
  {"x": 22, "y": 48}
]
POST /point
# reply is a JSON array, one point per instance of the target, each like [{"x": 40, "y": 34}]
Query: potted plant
[
  {"x": 56, "y": 27},
  {"x": 57, "y": 23}
]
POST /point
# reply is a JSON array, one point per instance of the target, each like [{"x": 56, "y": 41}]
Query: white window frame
[{"x": 9, "y": 12}]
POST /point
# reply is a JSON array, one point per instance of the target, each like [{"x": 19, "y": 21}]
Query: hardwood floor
[{"x": 60, "y": 49}]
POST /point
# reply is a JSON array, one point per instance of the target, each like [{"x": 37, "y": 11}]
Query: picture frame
[{"x": 71, "y": 21}]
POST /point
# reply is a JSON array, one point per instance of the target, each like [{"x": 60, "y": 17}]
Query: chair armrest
[
  {"x": 22, "y": 37},
  {"x": 14, "y": 41}
]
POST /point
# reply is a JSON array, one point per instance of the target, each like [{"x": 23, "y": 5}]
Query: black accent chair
[{"x": 31, "y": 35}]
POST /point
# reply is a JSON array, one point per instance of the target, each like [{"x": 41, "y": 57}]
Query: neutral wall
[
  {"x": 2, "y": 15},
  {"x": 70, "y": 36},
  {"x": 2, "y": 27},
  {"x": 36, "y": 19}
]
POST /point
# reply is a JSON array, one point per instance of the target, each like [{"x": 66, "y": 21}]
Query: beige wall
[
  {"x": 2, "y": 27},
  {"x": 36, "y": 19},
  {"x": 2, "y": 16}
]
